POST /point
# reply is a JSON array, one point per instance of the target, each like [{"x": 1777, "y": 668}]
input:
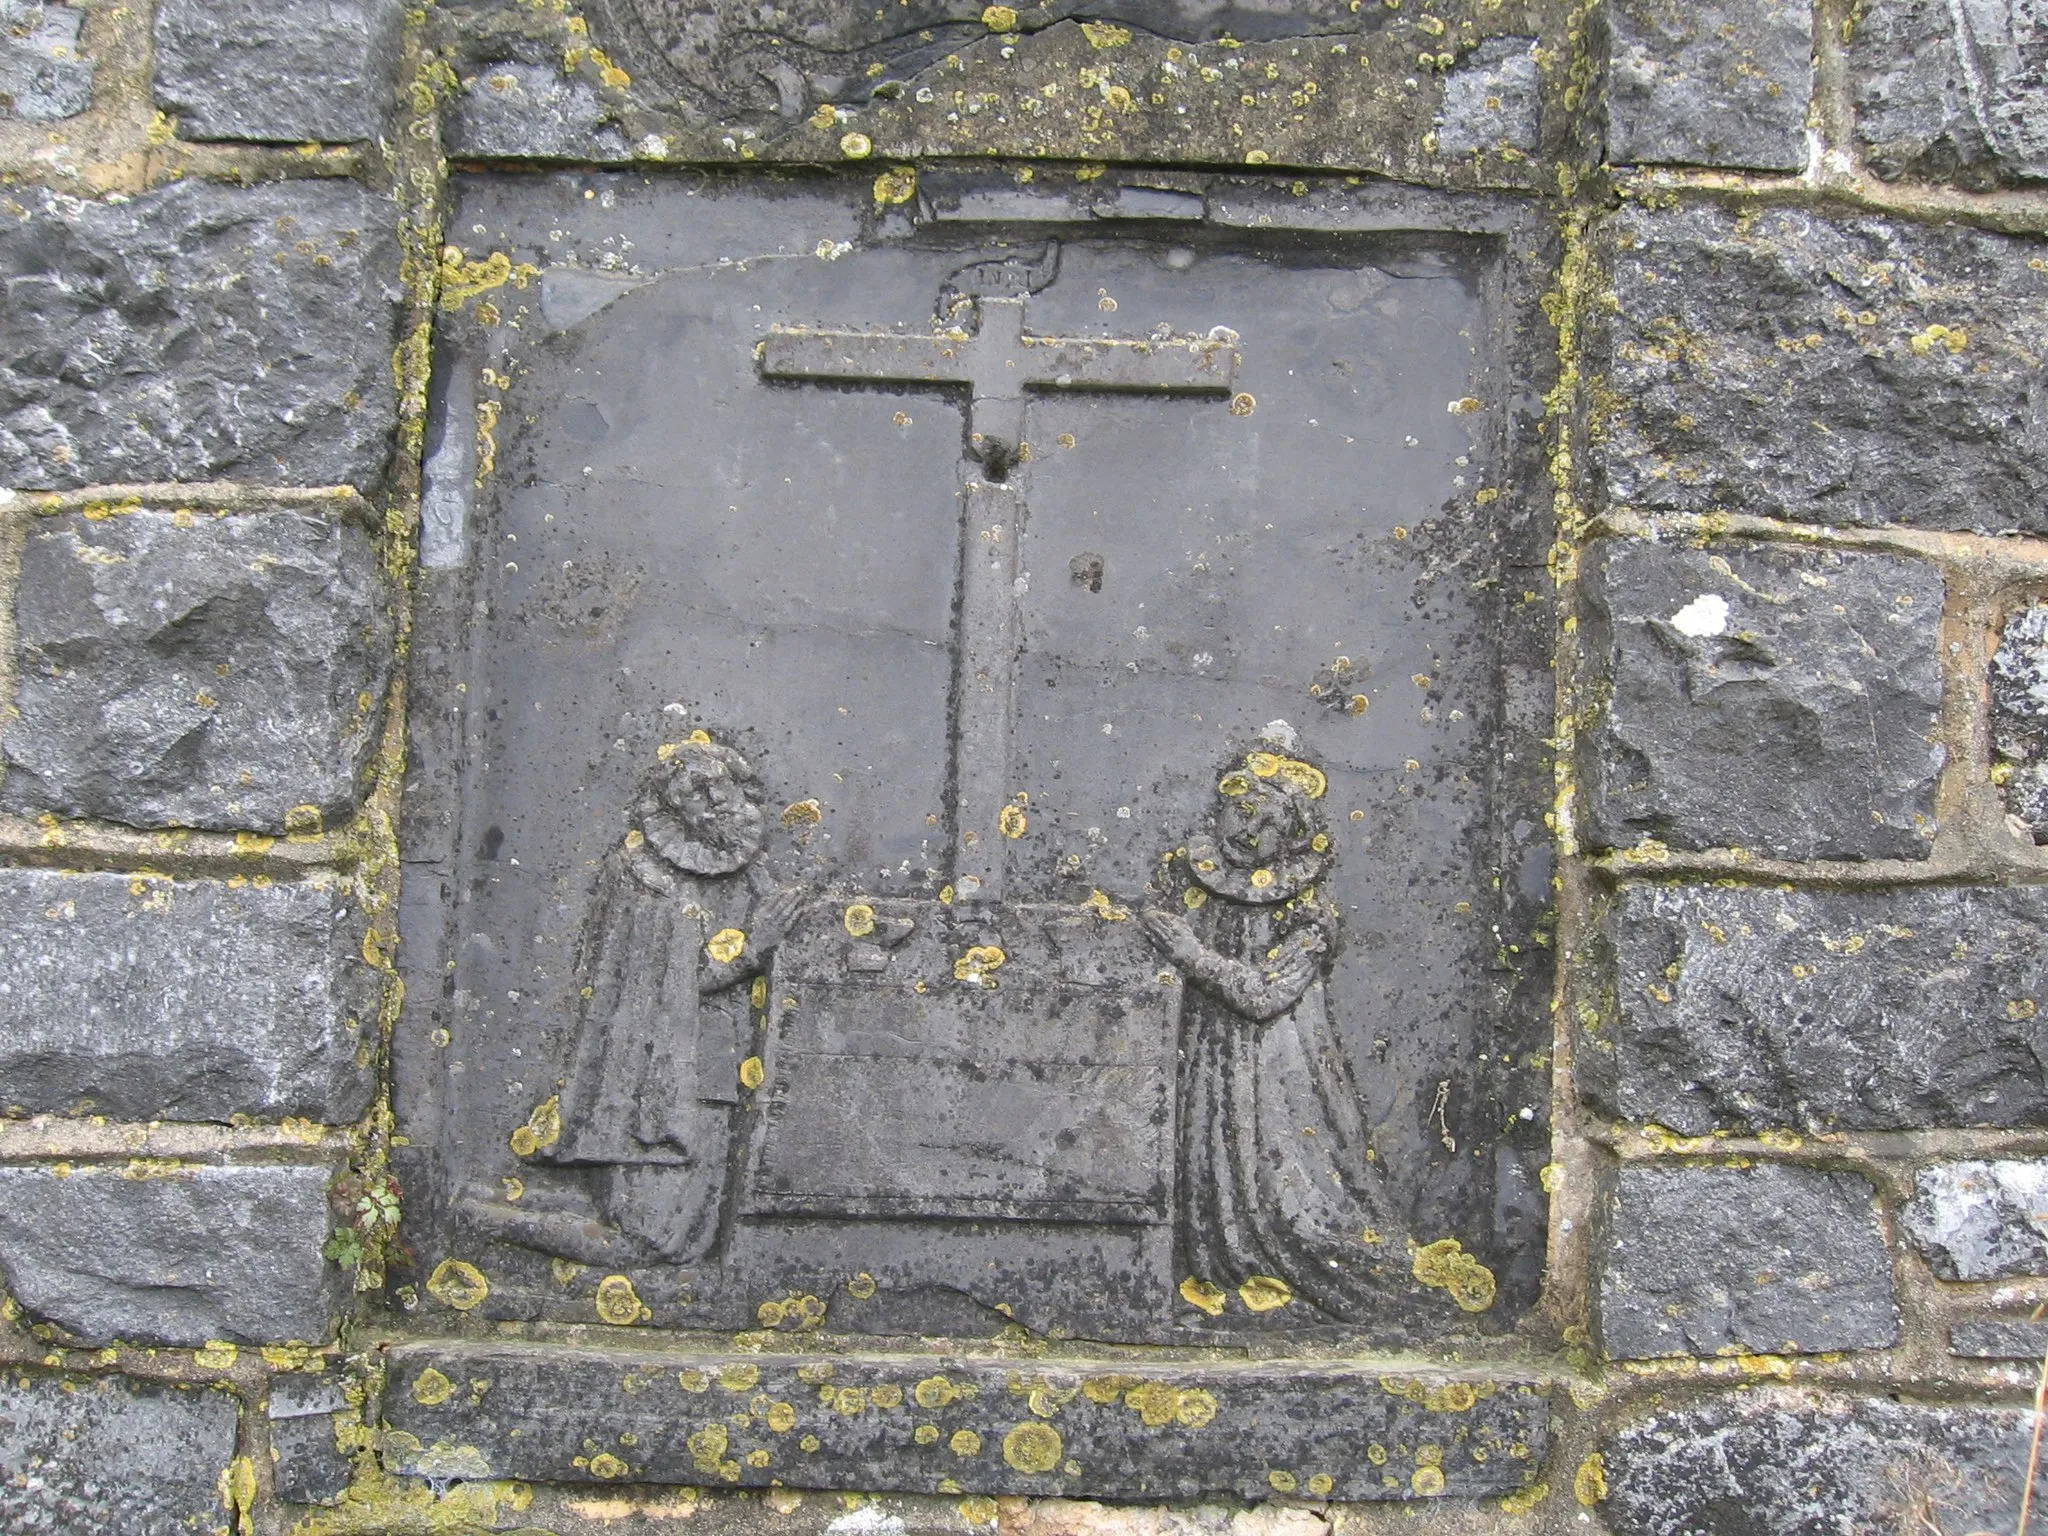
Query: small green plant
[{"x": 366, "y": 1214}]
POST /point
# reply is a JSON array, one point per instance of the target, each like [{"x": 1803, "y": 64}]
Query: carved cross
[{"x": 1000, "y": 365}]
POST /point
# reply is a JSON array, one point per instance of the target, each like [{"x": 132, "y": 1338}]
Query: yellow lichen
[
  {"x": 1012, "y": 822},
  {"x": 617, "y": 1302},
  {"x": 430, "y": 1388},
  {"x": 1100, "y": 904},
  {"x": 1522, "y": 1500},
  {"x": 1202, "y": 1295},
  {"x": 457, "y": 1284},
  {"x": 964, "y": 1442},
  {"x": 1265, "y": 1293},
  {"x": 1446, "y": 1266},
  {"x": 1033, "y": 1447},
  {"x": 1589, "y": 1483},
  {"x": 802, "y": 813},
  {"x": 859, "y": 919},
  {"x": 726, "y": 945},
  {"x": 896, "y": 185},
  {"x": 1000, "y": 18},
  {"x": 752, "y": 1073},
  {"x": 856, "y": 146},
  {"x": 978, "y": 963}
]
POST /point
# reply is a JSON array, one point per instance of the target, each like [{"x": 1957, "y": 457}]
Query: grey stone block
[
  {"x": 1952, "y": 92},
  {"x": 309, "y": 1467},
  {"x": 43, "y": 74},
  {"x": 1780, "y": 1462},
  {"x": 533, "y": 112},
  {"x": 175, "y": 1254},
  {"x": 1751, "y": 1008},
  {"x": 182, "y": 669},
  {"x": 110, "y": 1456},
  {"x": 143, "y": 998},
  {"x": 1769, "y": 697},
  {"x": 1769, "y": 1259},
  {"x": 1491, "y": 99},
  {"x": 277, "y": 71},
  {"x": 2019, "y": 716},
  {"x": 2015, "y": 1339},
  {"x": 1067, "y": 1429},
  {"x": 1980, "y": 1220},
  {"x": 199, "y": 332},
  {"x": 1896, "y": 363},
  {"x": 1723, "y": 83}
]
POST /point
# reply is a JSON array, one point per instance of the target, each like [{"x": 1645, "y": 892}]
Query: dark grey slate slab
[
  {"x": 1763, "y": 1260},
  {"x": 2019, "y": 716},
  {"x": 930, "y": 1423},
  {"x": 143, "y": 998},
  {"x": 905, "y": 827},
  {"x": 185, "y": 669},
  {"x": 1980, "y": 1219},
  {"x": 85, "y": 1455},
  {"x": 309, "y": 1467},
  {"x": 1746, "y": 1008},
  {"x": 277, "y": 70},
  {"x": 1761, "y": 696},
  {"x": 1951, "y": 92},
  {"x": 1777, "y": 1462},
  {"x": 1897, "y": 361},
  {"x": 44, "y": 74},
  {"x": 1724, "y": 83},
  {"x": 175, "y": 1255},
  {"x": 2008, "y": 1339},
  {"x": 199, "y": 332}
]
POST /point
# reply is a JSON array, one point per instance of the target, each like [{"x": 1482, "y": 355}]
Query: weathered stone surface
[
  {"x": 2013, "y": 1339},
  {"x": 197, "y": 671},
  {"x": 1724, "y": 83},
  {"x": 1952, "y": 92},
  {"x": 1393, "y": 90},
  {"x": 1776, "y": 1462},
  {"x": 1749, "y": 1009},
  {"x": 2019, "y": 717},
  {"x": 277, "y": 70},
  {"x": 109, "y": 1454},
  {"x": 532, "y": 111},
  {"x": 43, "y": 75},
  {"x": 1492, "y": 99},
  {"x": 198, "y": 332},
  {"x": 309, "y": 1466},
  {"x": 1896, "y": 363},
  {"x": 143, "y": 998},
  {"x": 1763, "y": 1260},
  {"x": 1768, "y": 697},
  {"x": 179, "y": 1254},
  {"x": 938, "y": 1424},
  {"x": 1980, "y": 1220}
]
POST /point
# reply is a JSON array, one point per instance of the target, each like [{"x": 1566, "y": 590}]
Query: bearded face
[{"x": 702, "y": 813}]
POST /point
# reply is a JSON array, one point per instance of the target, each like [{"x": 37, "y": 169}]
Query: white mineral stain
[{"x": 1702, "y": 618}]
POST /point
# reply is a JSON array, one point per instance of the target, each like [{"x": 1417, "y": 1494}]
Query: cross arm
[
  {"x": 1176, "y": 365},
  {"x": 883, "y": 357}
]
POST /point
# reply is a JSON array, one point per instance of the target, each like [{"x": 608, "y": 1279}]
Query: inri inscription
[{"x": 976, "y": 785}]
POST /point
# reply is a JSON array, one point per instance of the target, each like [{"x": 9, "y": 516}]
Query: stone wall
[{"x": 1795, "y": 454}]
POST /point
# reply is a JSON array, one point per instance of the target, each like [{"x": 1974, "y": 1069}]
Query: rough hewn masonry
[{"x": 1760, "y": 535}]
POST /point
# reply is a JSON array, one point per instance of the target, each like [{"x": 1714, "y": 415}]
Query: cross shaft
[{"x": 1001, "y": 365}]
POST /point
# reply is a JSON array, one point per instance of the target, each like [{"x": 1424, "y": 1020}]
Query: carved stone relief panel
[{"x": 982, "y": 782}]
